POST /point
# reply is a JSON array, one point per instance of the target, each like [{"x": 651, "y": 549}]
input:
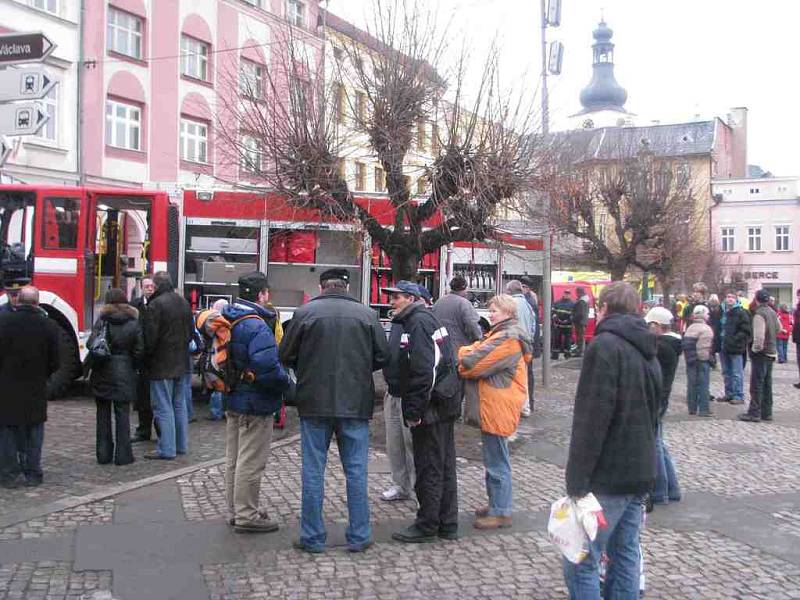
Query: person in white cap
[
  {"x": 698, "y": 343},
  {"x": 659, "y": 320}
]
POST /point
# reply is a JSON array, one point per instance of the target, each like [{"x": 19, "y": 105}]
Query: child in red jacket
[{"x": 785, "y": 317}]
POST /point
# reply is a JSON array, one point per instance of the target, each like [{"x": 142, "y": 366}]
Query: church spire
[{"x": 603, "y": 91}]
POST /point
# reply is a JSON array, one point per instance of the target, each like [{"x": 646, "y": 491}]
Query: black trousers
[
  {"x": 436, "y": 486},
  {"x": 144, "y": 408},
  {"x": 531, "y": 383},
  {"x": 562, "y": 340},
  {"x": 761, "y": 386},
  {"x": 580, "y": 332},
  {"x": 106, "y": 448}
]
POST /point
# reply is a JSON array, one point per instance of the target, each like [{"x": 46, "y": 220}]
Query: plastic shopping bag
[{"x": 573, "y": 524}]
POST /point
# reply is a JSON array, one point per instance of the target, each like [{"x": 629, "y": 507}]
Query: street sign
[
  {"x": 17, "y": 48},
  {"x": 24, "y": 118},
  {"x": 32, "y": 83},
  {"x": 5, "y": 150}
]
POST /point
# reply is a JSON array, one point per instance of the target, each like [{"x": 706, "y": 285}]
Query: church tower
[{"x": 603, "y": 100}]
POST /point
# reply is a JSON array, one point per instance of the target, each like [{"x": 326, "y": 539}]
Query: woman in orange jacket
[{"x": 498, "y": 363}]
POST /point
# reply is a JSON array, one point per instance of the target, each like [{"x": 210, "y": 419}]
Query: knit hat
[
  {"x": 700, "y": 312},
  {"x": 660, "y": 315}
]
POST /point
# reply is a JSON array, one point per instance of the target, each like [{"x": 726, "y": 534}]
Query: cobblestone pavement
[{"x": 736, "y": 534}]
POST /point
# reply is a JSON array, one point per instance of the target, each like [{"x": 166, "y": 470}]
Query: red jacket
[{"x": 786, "y": 325}]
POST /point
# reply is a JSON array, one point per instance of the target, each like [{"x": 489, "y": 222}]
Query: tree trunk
[
  {"x": 405, "y": 263},
  {"x": 618, "y": 271}
]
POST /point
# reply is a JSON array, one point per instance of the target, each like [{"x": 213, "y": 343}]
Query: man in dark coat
[
  {"x": 252, "y": 400},
  {"x": 612, "y": 449},
  {"x": 142, "y": 403},
  {"x": 334, "y": 343},
  {"x": 735, "y": 331},
  {"x": 168, "y": 327},
  {"x": 429, "y": 390},
  {"x": 562, "y": 325},
  {"x": 580, "y": 318},
  {"x": 28, "y": 356}
]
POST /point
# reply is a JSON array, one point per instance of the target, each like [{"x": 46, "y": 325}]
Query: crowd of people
[{"x": 439, "y": 366}]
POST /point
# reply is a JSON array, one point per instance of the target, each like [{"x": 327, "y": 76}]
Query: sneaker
[
  {"x": 767, "y": 419},
  {"x": 260, "y": 526},
  {"x": 262, "y": 514},
  {"x": 299, "y": 545},
  {"x": 448, "y": 534},
  {"x": 513, "y": 437},
  {"x": 723, "y": 399},
  {"x": 692, "y": 414},
  {"x": 705, "y": 414},
  {"x": 483, "y": 511},
  {"x": 749, "y": 418},
  {"x": 394, "y": 494},
  {"x": 413, "y": 535},
  {"x": 362, "y": 548},
  {"x": 734, "y": 401},
  {"x": 492, "y": 522},
  {"x": 154, "y": 455},
  {"x": 526, "y": 411}
]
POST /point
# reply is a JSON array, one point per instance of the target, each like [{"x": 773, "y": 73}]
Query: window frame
[
  {"x": 52, "y": 11},
  {"x": 257, "y": 77},
  {"x": 787, "y": 235},
  {"x": 751, "y": 237},
  {"x": 380, "y": 179},
  {"x": 360, "y": 176},
  {"x": 200, "y": 61},
  {"x": 360, "y": 107},
  {"x": 185, "y": 122},
  {"x": 127, "y": 121},
  {"x": 727, "y": 233},
  {"x": 76, "y": 208},
  {"x": 247, "y": 164},
  {"x": 132, "y": 34},
  {"x": 294, "y": 16}
]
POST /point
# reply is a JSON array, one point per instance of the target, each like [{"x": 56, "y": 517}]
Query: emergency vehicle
[{"x": 74, "y": 243}]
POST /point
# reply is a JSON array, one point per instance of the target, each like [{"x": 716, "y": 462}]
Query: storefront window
[{"x": 60, "y": 223}]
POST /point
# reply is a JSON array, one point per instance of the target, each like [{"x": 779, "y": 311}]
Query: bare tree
[{"x": 292, "y": 134}]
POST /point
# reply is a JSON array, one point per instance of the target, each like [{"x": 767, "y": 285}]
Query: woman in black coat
[{"x": 114, "y": 380}]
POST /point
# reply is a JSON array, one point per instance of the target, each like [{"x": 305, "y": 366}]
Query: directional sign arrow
[
  {"x": 17, "y": 48},
  {"x": 23, "y": 118},
  {"x": 31, "y": 83}
]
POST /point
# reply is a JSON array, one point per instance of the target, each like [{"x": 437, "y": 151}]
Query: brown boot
[
  {"x": 483, "y": 511},
  {"x": 492, "y": 522}
]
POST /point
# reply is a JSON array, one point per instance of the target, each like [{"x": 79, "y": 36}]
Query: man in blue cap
[{"x": 429, "y": 391}]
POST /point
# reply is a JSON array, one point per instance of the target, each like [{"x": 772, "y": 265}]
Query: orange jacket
[{"x": 498, "y": 363}]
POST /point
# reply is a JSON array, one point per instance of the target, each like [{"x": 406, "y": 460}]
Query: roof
[{"x": 610, "y": 143}]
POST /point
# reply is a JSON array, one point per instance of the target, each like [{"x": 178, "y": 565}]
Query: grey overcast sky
[{"x": 676, "y": 58}]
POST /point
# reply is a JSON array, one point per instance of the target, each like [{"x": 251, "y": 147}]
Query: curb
[{"x": 20, "y": 516}]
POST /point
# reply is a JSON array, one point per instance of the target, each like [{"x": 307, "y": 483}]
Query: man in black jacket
[
  {"x": 29, "y": 345},
  {"x": 168, "y": 326},
  {"x": 334, "y": 343},
  {"x": 142, "y": 402},
  {"x": 612, "y": 449},
  {"x": 580, "y": 318},
  {"x": 429, "y": 390},
  {"x": 735, "y": 331}
]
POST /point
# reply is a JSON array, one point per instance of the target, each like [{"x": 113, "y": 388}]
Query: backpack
[{"x": 218, "y": 372}]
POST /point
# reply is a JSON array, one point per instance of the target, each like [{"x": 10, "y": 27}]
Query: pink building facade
[
  {"x": 155, "y": 73},
  {"x": 756, "y": 223}
]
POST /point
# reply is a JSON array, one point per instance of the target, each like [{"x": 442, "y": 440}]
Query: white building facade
[{"x": 756, "y": 223}]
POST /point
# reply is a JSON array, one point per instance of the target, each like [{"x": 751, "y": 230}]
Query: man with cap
[
  {"x": 428, "y": 386},
  {"x": 668, "y": 351},
  {"x": 255, "y": 392},
  {"x": 334, "y": 344},
  {"x": 763, "y": 352},
  {"x": 12, "y": 295}
]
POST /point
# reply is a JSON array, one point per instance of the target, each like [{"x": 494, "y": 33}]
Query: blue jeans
[
  {"x": 21, "y": 451},
  {"x": 187, "y": 394},
  {"x": 498, "y": 474},
  {"x": 352, "y": 439},
  {"x": 620, "y": 542},
  {"x": 733, "y": 374},
  {"x": 667, "y": 487},
  {"x": 169, "y": 409},
  {"x": 783, "y": 348},
  {"x": 697, "y": 375},
  {"x": 215, "y": 406}
]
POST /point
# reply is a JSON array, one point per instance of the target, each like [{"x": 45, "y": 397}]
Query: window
[
  {"x": 361, "y": 176},
  {"x": 728, "y": 239},
  {"x": 339, "y": 100},
  {"x": 295, "y": 12},
  {"x": 421, "y": 186},
  {"x": 194, "y": 58},
  {"x": 256, "y": 3},
  {"x": 421, "y": 135},
  {"x": 50, "y": 6},
  {"x": 123, "y": 125},
  {"x": 338, "y": 167},
  {"x": 60, "y": 223},
  {"x": 755, "y": 191},
  {"x": 754, "y": 238},
  {"x": 380, "y": 179},
  {"x": 194, "y": 141},
  {"x": 251, "y": 79},
  {"x": 251, "y": 155},
  {"x": 124, "y": 33},
  {"x": 50, "y": 129},
  {"x": 361, "y": 106},
  {"x": 782, "y": 238}
]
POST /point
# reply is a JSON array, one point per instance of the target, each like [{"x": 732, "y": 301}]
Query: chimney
[{"x": 737, "y": 121}]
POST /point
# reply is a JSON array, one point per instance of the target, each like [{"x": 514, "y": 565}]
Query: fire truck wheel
[{"x": 70, "y": 367}]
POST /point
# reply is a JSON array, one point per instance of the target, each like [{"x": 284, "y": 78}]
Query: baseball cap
[
  {"x": 762, "y": 296},
  {"x": 526, "y": 281},
  {"x": 251, "y": 284},
  {"x": 342, "y": 274},
  {"x": 658, "y": 314},
  {"x": 424, "y": 293},
  {"x": 404, "y": 287}
]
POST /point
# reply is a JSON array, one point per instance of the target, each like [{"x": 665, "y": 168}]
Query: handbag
[
  {"x": 472, "y": 405},
  {"x": 100, "y": 348}
]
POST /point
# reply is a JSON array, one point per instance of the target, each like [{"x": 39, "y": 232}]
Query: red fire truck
[{"x": 73, "y": 243}]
